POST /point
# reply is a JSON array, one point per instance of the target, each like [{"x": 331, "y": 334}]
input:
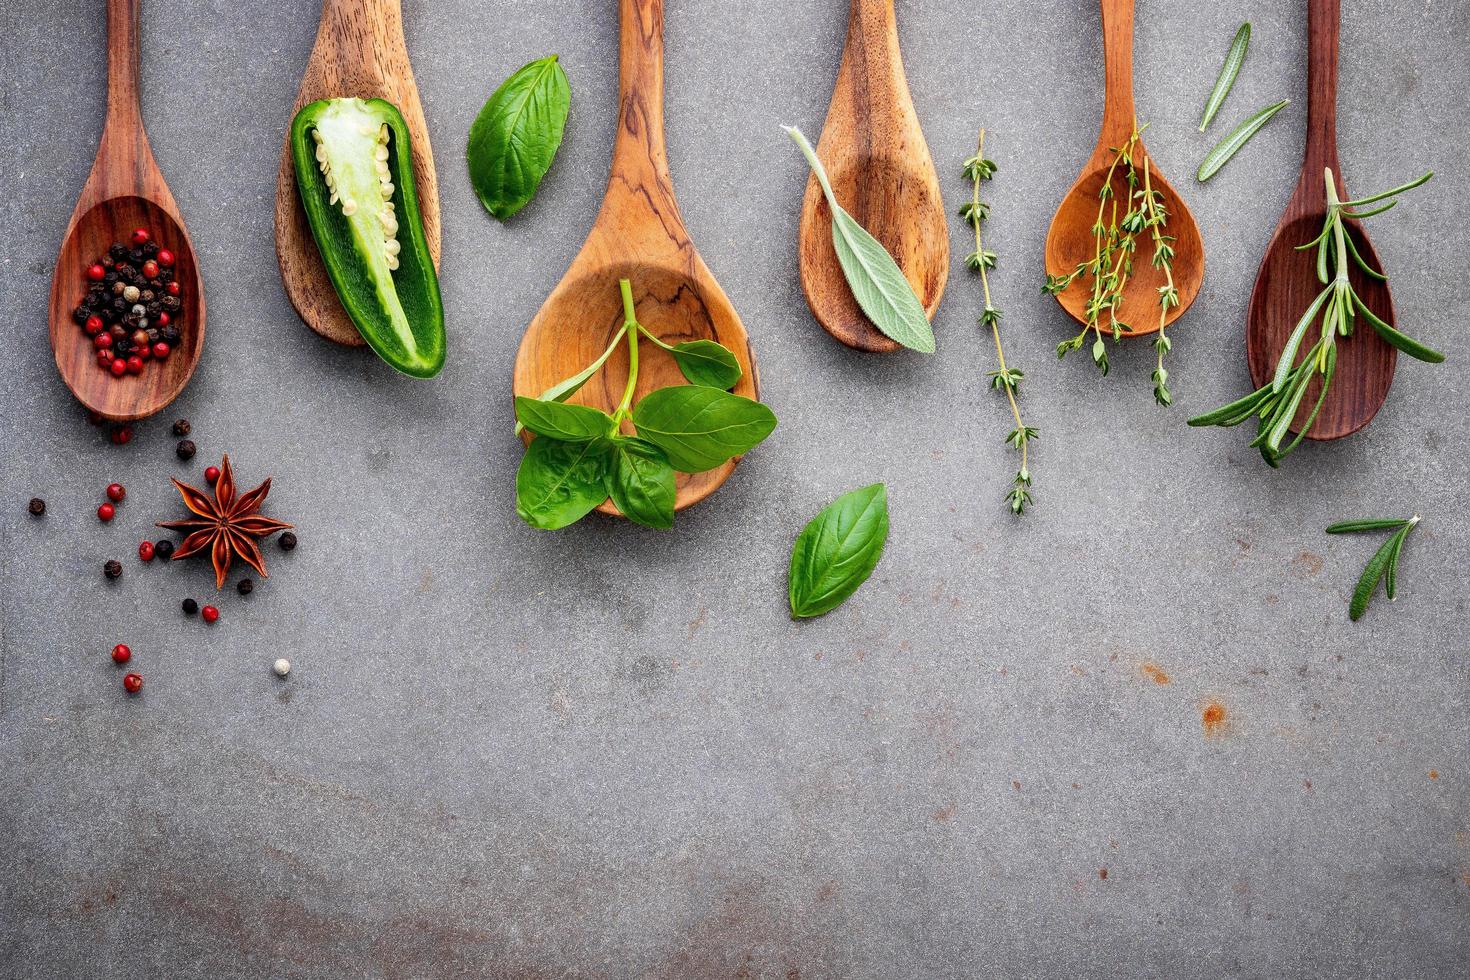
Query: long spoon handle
[
  {"x": 639, "y": 152},
  {"x": 124, "y": 107},
  {"x": 1119, "y": 115},
  {"x": 1322, "y": 31}
]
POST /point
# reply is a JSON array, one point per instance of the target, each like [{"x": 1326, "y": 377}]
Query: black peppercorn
[
  {"x": 112, "y": 569},
  {"x": 135, "y": 256},
  {"x": 80, "y": 314},
  {"x": 288, "y": 541},
  {"x": 172, "y": 335},
  {"x": 164, "y": 549},
  {"x": 182, "y": 427},
  {"x": 37, "y": 506},
  {"x": 190, "y": 607},
  {"x": 117, "y": 250},
  {"x": 245, "y": 587},
  {"x": 185, "y": 449},
  {"x": 150, "y": 250}
]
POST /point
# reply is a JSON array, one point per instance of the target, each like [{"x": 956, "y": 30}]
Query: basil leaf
[
  {"x": 707, "y": 363},
  {"x": 516, "y": 135},
  {"x": 700, "y": 427},
  {"x": 568, "y": 423},
  {"x": 563, "y": 390},
  {"x": 640, "y": 480},
  {"x": 837, "y": 551},
  {"x": 877, "y": 283},
  {"x": 559, "y": 483}
]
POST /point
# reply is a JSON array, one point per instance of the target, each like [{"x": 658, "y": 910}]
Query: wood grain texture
[
  {"x": 1287, "y": 281},
  {"x": 124, "y": 191},
  {"x": 1070, "y": 240},
  {"x": 359, "y": 52},
  {"x": 638, "y": 235},
  {"x": 882, "y": 173}
]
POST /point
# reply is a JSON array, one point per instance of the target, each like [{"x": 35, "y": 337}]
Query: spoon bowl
[
  {"x": 129, "y": 397},
  {"x": 124, "y": 192},
  {"x": 1070, "y": 240},
  {"x": 640, "y": 236},
  {"x": 875, "y": 155},
  {"x": 1287, "y": 281}
]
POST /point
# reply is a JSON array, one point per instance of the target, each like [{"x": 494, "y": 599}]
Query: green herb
[
  {"x": 580, "y": 456},
  {"x": 1228, "y": 71},
  {"x": 1277, "y": 402},
  {"x": 1227, "y": 147},
  {"x": 1115, "y": 245},
  {"x": 876, "y": 281},
  {"x": 516, "y": 135},
  {"x": 837, "y": 551},
  {"x": 1384, "y": 565},
  {"x": 1006, "y": 379}
]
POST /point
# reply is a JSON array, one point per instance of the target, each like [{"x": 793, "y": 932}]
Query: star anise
[{"x": 227, "y": 525}]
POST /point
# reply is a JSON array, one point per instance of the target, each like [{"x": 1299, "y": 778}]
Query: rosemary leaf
[
  {"x": 1227, "y": 147},
  {"x": 1367, "y": 524},
  {"x": 1228, "y": 71},
  {"x": 1372, "y": 575}
]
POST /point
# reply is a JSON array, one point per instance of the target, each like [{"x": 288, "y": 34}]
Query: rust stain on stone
[
  {"x": 1102, "y": 873},
  {"x": 1156, "y": 673},
  {"x": 1434, "y": 774},
  {"x": 946, "y": 813},
  {"x": 1213, "y": 717},
  {"x": 1307, "y": 564}
]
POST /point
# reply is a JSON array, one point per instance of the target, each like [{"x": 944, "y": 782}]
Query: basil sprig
[
  {"x": 837, "y": 551},
  {"x": 1383, "y": 566},
  {"x": 516, "y": 135},
  {"x": 881, "y": 289},
  {"x": 580, "y": 456}
]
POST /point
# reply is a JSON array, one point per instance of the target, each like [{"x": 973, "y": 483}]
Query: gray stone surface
[{"x": 608, "y": 752}]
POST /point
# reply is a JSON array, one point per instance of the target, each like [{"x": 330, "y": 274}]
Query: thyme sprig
[
  {"x": 1276, "y": 403},
  {"x": 1156, "y": 218},
  {"x": 1006, "y": 379}
]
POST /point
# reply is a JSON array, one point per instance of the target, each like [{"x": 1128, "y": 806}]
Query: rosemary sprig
[
  {"x": 1383, "y": 566},
  {"x": 1156, "y": 217},
  {"x": 1006, "y": 379},
  {"x": 1277, "y": 402}
]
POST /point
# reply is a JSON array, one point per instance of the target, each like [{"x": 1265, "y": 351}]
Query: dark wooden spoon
[
  {"x": 1070, "y": 241},
  {"x": 640, "y": 236},
  {"x": 882, "y": 173},
  {"x": 125, "y": 191},
  {"x": 1287, "y": 281}
]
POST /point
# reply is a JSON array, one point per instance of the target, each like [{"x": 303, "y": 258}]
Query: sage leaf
[
  {"x": 559, "y": 483},
  {"x": 837, "y": 551},
  {"x": 567, "y": 423},
  {"x": 699, "y": 427},
  {"x": 516, "y": 135},
  {"x": 640, "y": 480},
  {"x": 877, "y": 283},
  {"x": 1228, "y": 71},
  {"x": 1239, "y": 137},
  {"x": 563, "y": 390}
]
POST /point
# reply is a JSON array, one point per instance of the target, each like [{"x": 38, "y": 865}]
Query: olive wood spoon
[
  {"x": 882, "y": 173},
  {"x": 1070, "y": 240},
  {"x": 638, "y": 235},
  {"x": 359, "y": 52},
  {"x": 1287, "y": 281},
  {"x": 124, "y": 192}
]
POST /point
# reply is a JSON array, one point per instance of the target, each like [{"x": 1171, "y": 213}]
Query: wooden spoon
[
  {"x": 359, "y": 52},
  {"x": 638, "y": 235},
  {"x": 1070, "y": 240},
  {"x": 882, "y": 173},
  {"x": 124, "y": 192},
  {"x": 1287, "y": 281}
]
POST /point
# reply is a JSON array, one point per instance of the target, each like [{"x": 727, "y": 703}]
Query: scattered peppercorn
[
  {"x": 106, "y": 512},
  {"x": 190, "y": 607},
  {"x": 121, "y": 654},
  {"x": 145, "y": 551},
  {"x": 185, "y": 450},
  {"x": 133, "y": 683},
  {"x": 182, "y": 426},
  {"x": 112, "y": 569},
  {"x": 288, "y": 541},
  {"x": 211, "y": 473},
  {"x": 210, "y": 614},
  {"x": 245, "y": 587},
  {"x": 164, "y": 549},
  {"x": 116, "y": 492},
  {"x": 282, "y": 667},
  {"x": 122, "y": 434},
  {"x": 37, "y": 507}
]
